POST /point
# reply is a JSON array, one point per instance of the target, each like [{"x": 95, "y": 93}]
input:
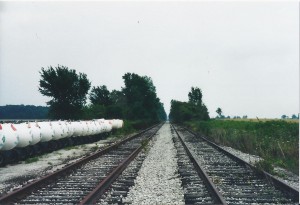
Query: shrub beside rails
[{"x": 20, "y": 141}]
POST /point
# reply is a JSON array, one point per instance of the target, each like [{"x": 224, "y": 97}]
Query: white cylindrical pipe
[
  {"x": 93, "y": 127},
  {"x": 78, "y": 129},
  {"x": 25, "y": 137},
  {"x": 1, "y": 137},
  {"x": 57, "y": 129},
  {"x": 85, "y": 128},
  {"x": 47, "y": 132},
  {"x": 121, "y": 123},
  {"x": 9, "y": 136},
  {"x": 108, "y": 125},
  {"x": 35, "y": 133},
  {"x": 71, "y": 128},
  {"x": 102, "y": 125},
  {"x": 89, "y": 128},
  {"x": 64, "y": 128},
  {"x": 99, "y": 126}
]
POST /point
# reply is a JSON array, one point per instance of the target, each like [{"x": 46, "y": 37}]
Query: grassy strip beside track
[
  {"x": 277, "y": 141},
  {"x": 131, "y": 126}
]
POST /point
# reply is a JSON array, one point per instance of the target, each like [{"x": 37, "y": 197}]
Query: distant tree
[
  {"x": 100, "y": 96},
  {"x": 194, "y": 109},
  {"x": 228, "y": 117},
  {"x": 195, "y": 96},
  {"x": 67, "y": 89},
  {"x": 236, "y": 117},
  {"x": 219, "y": 112},
  {"x": 23, "y": 112},
  {"x": 284, "y": 117},
  {"x": 295, "y": 116},
  {"x": 245, "y": 117}
]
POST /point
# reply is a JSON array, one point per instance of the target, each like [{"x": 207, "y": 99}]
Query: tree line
[
  {"x": 194, "y": 109},
  {"x": 23, "y": 112},
  {"x": 69, "y": 91}
]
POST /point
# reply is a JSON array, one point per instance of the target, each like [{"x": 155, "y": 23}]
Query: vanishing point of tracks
[{"x": 209, "y": 175}]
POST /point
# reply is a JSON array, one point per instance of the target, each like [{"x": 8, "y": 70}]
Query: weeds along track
[
  {"x": 78, "y": 182},
  {"x": 236, "y": 181}
]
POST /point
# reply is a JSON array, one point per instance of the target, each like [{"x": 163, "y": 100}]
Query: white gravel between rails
[{"x": 158, "y": 181}]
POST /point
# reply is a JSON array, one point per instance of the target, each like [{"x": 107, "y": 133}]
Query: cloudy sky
[{"x": 243, "y": 55}]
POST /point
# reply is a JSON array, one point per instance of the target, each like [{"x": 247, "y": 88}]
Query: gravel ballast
[
  {"x": 285, "y": 175},
  {"x": 158, "y": 181},
  {"x": 16, "y": 175}
]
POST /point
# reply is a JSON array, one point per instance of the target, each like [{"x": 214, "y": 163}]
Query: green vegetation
[
  {"x": 195, "y": 109},
  {"x": 265, "y": 165},
  {"x": 31, "y": 160},
  {"x": 23, "y": 112},
  {"x": 137, "y": 101},
  {"x": 94, "y": 148},
  {"x": 144, "y": 144},
  {"x": 70, "y": 147},
  {"x": 67, "y": 89},
  {"x": 276, "y": 141}
]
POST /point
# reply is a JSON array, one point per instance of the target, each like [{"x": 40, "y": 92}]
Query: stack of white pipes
[{"x": 30, "y": 133}]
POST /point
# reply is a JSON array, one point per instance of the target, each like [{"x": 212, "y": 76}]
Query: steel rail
[
  {"x": 209, "y": 184},
  {"x": 281, "y": 185},
  {"x": 94, "y": 195},
  {"x": 18, "y": 194}
]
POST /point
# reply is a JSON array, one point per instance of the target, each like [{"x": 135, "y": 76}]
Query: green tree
[
  {"x": 100, "y": 96},
  {"x": 117, "y": 98},
  {"x": 195, "y": 96},
  {"x": 67, "y": 90},
  {"x": 195, "y": 109},
  {"x": 136, "y": 101},
  {"x": 219, "y": 112},
  {"x": 141, "y": 99},
  {"x": 294, "y": 116}
]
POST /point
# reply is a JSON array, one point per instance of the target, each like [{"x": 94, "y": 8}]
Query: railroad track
[
  {"x": 119, "y": 189},
  {"x": 209, "y": 175},
  {"x": 237, "y": 181},
  {"x": 198, "y": 189},
  {"x": 83, "y": 181}
]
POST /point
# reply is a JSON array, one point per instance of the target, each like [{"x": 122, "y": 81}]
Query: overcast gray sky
[{"x": 243, "y": 55}]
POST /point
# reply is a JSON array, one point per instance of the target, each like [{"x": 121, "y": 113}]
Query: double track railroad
[{"x": 209, "y": 175}]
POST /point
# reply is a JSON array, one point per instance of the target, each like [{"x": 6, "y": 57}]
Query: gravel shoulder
[{"x": 285, "y": 175}]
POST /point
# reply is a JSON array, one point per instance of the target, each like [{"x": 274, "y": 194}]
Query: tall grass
[{"x": 276, "y": 141}]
